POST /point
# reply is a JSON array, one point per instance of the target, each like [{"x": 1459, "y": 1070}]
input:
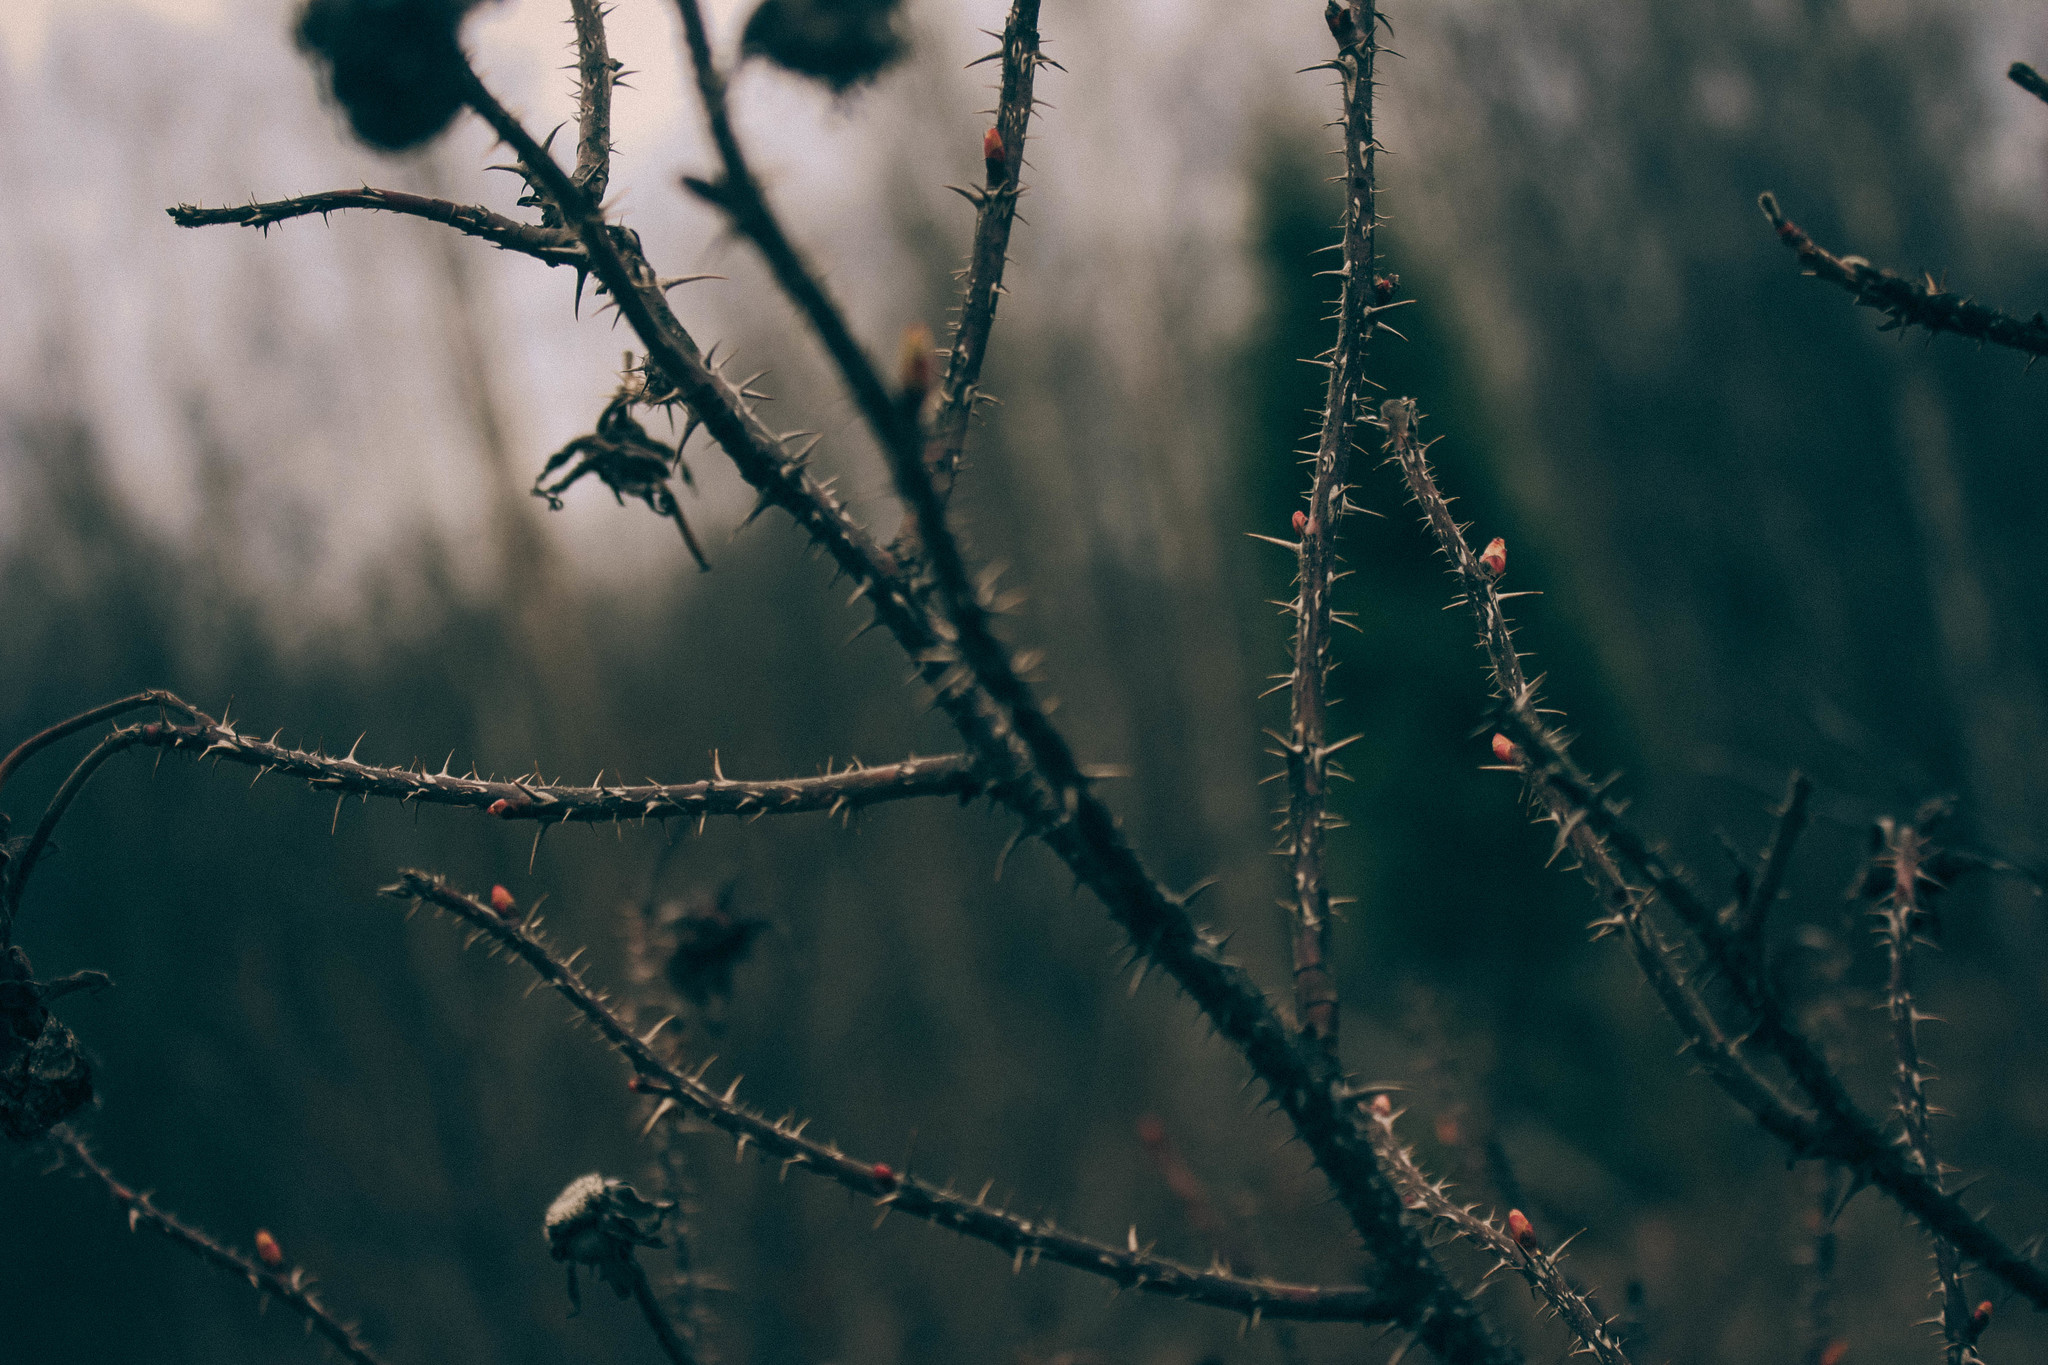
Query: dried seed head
[
  {"x": 995, "y": 157},
  {"x": 394, "y": 66},
  {"x": 1504, "y": 749},
  {"x": 1494, "y": 558},
  {"x": 267, "y": 1249},
  {"x": 1519, "y": 1229},
  {"x": 503, "y": 903},
  {"x": 842, "y": 43}
]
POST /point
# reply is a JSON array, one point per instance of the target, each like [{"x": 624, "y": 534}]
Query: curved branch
[
  {"x": 292, "y": 1288},
  {"x": 1904, "y": 303},
  {"x": 783, "y": 1140},
  {"x": 549, "y": 245}
]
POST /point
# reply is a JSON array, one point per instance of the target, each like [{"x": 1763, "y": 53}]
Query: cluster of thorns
[{"x": 1706, "y": 958}]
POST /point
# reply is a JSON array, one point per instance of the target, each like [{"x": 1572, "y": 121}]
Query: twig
[
  {"x": 1750, "y": 915},
  {"x": 1055, "y": 802},
  {"x": 85, "y": 720},
  {"x": 2028, "y": 79},
  {"x": 1306, "y": 747},
  {"x": 783, "y": 1140},
  {"x": 839, "y": 793},
  {"x": 1541, "y": 1268},
  {"x": 1593, "y": 826},
  {"x": 995, "y": 212},
  {"x": 1906, "y": 851},
  {"x": 665, "y": 1334},
  {"x": 294, "y": 1288},
  {"x": 1904, "y": 303},
  {"x": 650, "y": 998},
  {"x": 549, "y": 245},
  {"x": 596, "y": 73}
]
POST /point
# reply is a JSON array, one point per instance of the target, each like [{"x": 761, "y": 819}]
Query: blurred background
[{"x": 288, "y": 471}]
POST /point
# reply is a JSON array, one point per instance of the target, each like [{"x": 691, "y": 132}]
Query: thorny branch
[
  {"x": 1034, "y": 772},
  {"x": 995, "y": 211},
  {"x": 1515, "y": 1244},
  {"x": 1906, "y": 850},
  {"x": 549, "y": 245},
  {"x": 533, "y": 799},
  {"x": 1904, "y": 303},
  {"x": 596, "y": 72},
  {"x": 291, "y": 1287},
  {"x": 1306, "y": 747},
  {"x": 783, "y": 1140},
  {"x": 1592, "y": 825}
]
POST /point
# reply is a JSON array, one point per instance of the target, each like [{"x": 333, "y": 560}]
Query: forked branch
[
  {"x": 1032, "y": 770},
  {"x": 1592, "y": 824}
]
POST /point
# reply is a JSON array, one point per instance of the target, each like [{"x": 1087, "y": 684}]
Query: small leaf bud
[
  {"x": 1832, "y": 1353},
  {"x": 1301, "y": 523},
  {"x": 1519, "y": 1229},
  {"x": 995, "y": 158},
  {"x": 883, "y": 1174},
  {"x": 1494, "y": 558},
  {"x": 1505, "y": 750},
  {"x": 267, "y": 1249},
  {"x": 503, "y": 903}
]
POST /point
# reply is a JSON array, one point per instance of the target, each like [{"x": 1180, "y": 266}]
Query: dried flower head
[{"x": 597, "y": 1222}]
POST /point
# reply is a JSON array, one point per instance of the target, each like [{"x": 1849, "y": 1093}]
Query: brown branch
[
  {"x": 995, "y": 212},
  {"x": 1057, "y": 805},
  {"x": 596, "y": 73},
  {"x": 292, "y": 1287},
  {"x": 1903, "y": 302},
  {"x": 1748, "y": 923},
  {"x": 2028, "y": 79},
  {"x": 1591, "y": 823},
  {"x": 1906, "y": 851},
  {"x": 549, "y": 245},
  {"x": 836, "y": 793},
  {"x": 783, "y": 1141},
  {"x": 1542, "y": 1269},
  {"x": 1306, "y": 748}
]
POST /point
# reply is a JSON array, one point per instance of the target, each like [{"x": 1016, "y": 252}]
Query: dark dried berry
[
  {"x": 394, "y": 66},
  {"x": 839, "y": 42}
]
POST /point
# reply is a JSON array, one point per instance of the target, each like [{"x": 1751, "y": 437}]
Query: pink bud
[
  {"x": 1519, "y": 1229},
  {"x": 1504, "y": 749},
  {"x": 502, "y": 902},
  {"x": 1494, "y": 558},
  {"x": 995, "y": 157},
  {"x": 267, "y": 1249},
  {"x": 883, "y": 1174},
  {"x": 1382, "y": 1107},
  {"x": 1301, "y": 523}
]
